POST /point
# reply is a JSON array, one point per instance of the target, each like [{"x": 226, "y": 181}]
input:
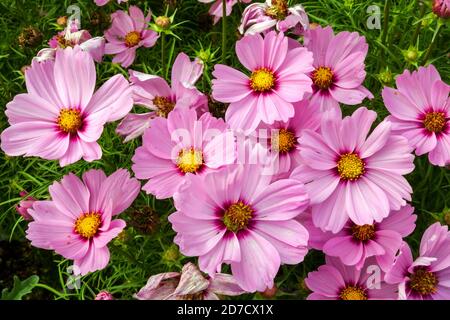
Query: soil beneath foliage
[{"x": 19, "y": 258}]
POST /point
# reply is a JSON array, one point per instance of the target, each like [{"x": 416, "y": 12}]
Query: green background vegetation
[{"x": 146, "y": 247}]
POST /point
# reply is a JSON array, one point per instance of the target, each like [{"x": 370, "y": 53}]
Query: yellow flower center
[
  {"x": 164, "y": 105},
  {"x": 322, "y": 77},
  {"x": 283, "y": 141},
  {"x": 350, "y": 166},
  {"x": 132, "y": 39},
  {"x": 88, "y": 224},
  {"x": 70, "y": 120},
  {"x": 423, "y": 281},
  {"x": 262, "y": 80},
  {"x": 435, "y": 121},
  {"x": 190, "y": 160},
  {"x": 278, "y": 10},
  {"x": 237, "y": 216},
  {"x": 364, "y": 232},
  {"x": 353, "y": 293}
]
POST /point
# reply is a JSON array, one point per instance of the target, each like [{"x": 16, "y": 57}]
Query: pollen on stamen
[
  {"x": 190, "y": 160},
  {"x": 364, "y": 232},
  {"x": 87, "y": 225},
  {"x": 70, "y": 120},
  {"x": 132, "y": 39},
  {"x": 164, "y": 105},
  {"x": 283, "y": 141},
  {"x": 350, "y": 166},
  {"x": 237, "y": 216},
  {"x": 262, "y": 80},
  {"x": 353, "y": 293},
  {"x": 322, "y": 77},
  {"x": 278, "y": 10},
  {"x": 435, "y": 122},
  {"x": 423, "y": 281}
]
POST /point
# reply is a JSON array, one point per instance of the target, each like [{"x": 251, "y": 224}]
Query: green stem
[
  {"x": 433, "y": 42},
  {"x": 46, "y": 287},
  {"x": 224, "y": 29},
  {"x": 127, "y": 255},
  {"x": 163, "y": 53},
  {"x": 387, "y": 9},
  {"x": 419, "y": 23}
]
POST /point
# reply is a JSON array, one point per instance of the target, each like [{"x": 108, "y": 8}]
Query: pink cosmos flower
[
  {"x": 24, "y": 205},
  {"x": 336, "y": 281},
  {"x": 71, "y": 37},
  {"x": 262, "y": 17},
  {"x": 128, "y": 33},
  {"x": 190, "y": 284},
  {"x": 61, "y": 117},
  {"x": 154, "y": 93},
  {"x": 77, "y": 223},
  {"x": 354, "y": 244},
  {"x": 179, "y": 146},
  {"x": 278, "y": 79},
  {"x": 427, "y": 277},
  {"x": 217, "y": 8},
  {"x": 104, "y": 295},
  {"x": 235, "y": 215},
  {"x": 420, "y": 111},
  {"x": 282, "y": 137},
  {"x": 338, "y": 68},
  {"x": 103, "y": 2},
  {"x": 349, "y": 174}
]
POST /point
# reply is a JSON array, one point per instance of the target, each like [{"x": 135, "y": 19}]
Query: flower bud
[
  {"x": 411, "y": 55},
  {"x": 61, "y": 21},
  {"x": 171, "y": 255},
  {"x": 163, "y": 22},
  {"x": 385, "y": 77},
  {"x": 442, "y": 8},
  {"x": 270, "y": 293},
  {"x": 104, "y": 295}
]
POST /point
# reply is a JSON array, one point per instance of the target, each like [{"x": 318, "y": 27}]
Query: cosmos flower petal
[
  {"x": 282, "y": 200},
  {"x": 40, "y": 81},
  {"x": 275, "y": 50},
  {"x": 399, "y": 105},
  {"x": 113, "y": 98},
  {"x": 259, "y": 254},
  {"x": 240, "y": 115},
  {"x": 27, "y": 138},
  {"x": 401, "y": 264},
  {"x": 231, "y": 85},
  {"x": 191, "y": 281},
  {"x": 95, "y": 259},
  {"x": 350, "y": 252},
  {"x": 28, "y": 107},
  {"x": 227, "y": 250},
  {"x": 225, "y": 284},
  {"x": 401, "y": 221},
  {"x": 245, "y": 48},
  {"x": 440, "y": 96},
  {"x": 326, "y": 281},
  {"x": 377, "y": 139},
  {"x": 440, "y": 155},
  {"x": 133, "y": 125},
  {"x": 328, "y": 214},
  {"x": 75, "y": 77},
  {"x": 70, "y": 196}
]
